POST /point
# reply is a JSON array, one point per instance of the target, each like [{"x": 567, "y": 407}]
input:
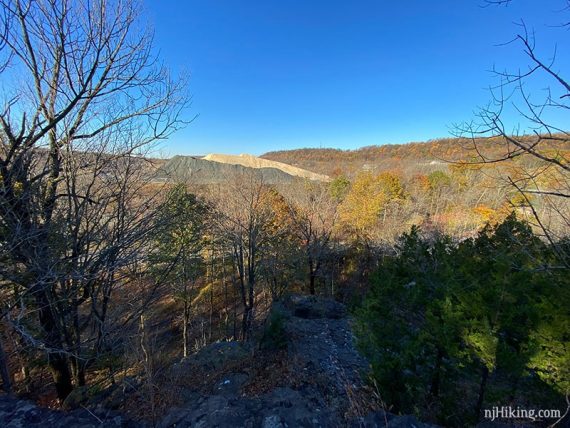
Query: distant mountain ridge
[
  {"x": 321, "y": 164},
  {"x": 333, "y": 162}
]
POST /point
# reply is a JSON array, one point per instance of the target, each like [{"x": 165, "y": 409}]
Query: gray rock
[
  {"x": 273, "y": 421},
  {"x": 16, "y": 413},
  {"x": 231, "y": 384},
  {"x": 406, "y": 421},
  {"x": 313, "y": 307},
  {"x": 381, "y": 419},
  {"x": 218, "y": 354}
]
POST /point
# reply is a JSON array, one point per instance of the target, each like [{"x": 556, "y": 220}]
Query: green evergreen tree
[
  {"x": 180, "y": 239},
  {"x": 445, "y": 324}
]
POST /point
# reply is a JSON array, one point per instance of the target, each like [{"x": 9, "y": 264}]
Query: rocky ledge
[
  {"x": 16, "y": 413},
  {"x": 304, "y": 372}
]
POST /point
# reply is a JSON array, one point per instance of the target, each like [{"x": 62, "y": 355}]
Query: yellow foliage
[
  {"x": 493, "y": 216},
  {"x": 367, "y": 198},
  {"x": 18, "y": 188},
  {"x": 485, "y": 213}
]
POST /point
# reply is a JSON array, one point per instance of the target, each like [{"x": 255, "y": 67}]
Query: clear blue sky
[{"x": 280, "y": 74}]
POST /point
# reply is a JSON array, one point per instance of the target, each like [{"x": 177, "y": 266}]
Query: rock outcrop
[
  {"x": 317, "y": 382},
  {"x": 16, "y": 413},
  {"x": 311, "y": 377}
]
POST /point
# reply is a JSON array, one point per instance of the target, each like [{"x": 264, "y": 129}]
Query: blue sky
[{"x": 281, "y": 74}]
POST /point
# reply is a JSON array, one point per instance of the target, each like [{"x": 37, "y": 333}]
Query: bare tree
[
  {"x": 84, "y": 97},
  {"x": 313, "y": 212},
  {"x": 244, "y": 218},
  {"x": 281, "y": 256},
  {"x": 539, "y": 94}
]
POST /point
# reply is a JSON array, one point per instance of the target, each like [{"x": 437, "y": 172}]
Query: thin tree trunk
[
  {"x": 212, "y": 282},
  {"x": 4, "y": 373},
  {"x": 482, "y": 388},
  {"x": 143, "y": 337},
  {"x": 235, "y": 314},
  {"x": 225, "y": 285},
  {"x": 185, "y": 327},
  {"x": 248, "y": 313},
  {"x": 81, "y": 374},
  {"x": 235, "y": 301},
  {"x": 78, "y": 371},
  {"x": 244, "y": 296},
  {"x": 434, "y": 390},
  {"x": 244, "y": 323},
  {"x": 312, "y": 278}
]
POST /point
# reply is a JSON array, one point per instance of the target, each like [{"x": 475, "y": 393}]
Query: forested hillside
[
  {"x": 454, "y": 184},
  {"x": 410, "y": 157}
]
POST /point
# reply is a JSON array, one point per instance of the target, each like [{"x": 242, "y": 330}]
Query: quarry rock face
[
  {"x": 200, "y": 171},
  {"x": 219, "y": 169},
  {"x": 251, "y": 161}
]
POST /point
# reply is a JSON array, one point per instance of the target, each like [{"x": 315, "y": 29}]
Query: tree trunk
[
  {"x": 57, "y": 361},
  {"x": 212, "y": 282},
  {"x": 312, "y": 283},
  {"x": 226, "y": 298},
  {"x": 81, "y": 374},
  {"x": 78, "y": 371},
  {"x": 248, "y": 307},
  {"x": 482, "y": 388},
  {"x": 25, "y": 373},
  {"x": 311, "y": 276},
  {"x": 245, "y": 323},
  {"x": 248, "y": 314},
  {"x": 4, "y": 373},
  {"x": 434, "y": 390},
  {"x": 59, "y": 368},
  {"x": 143, "y": 338},
  {"x": 185, "y": 327},
  {"x": 235, "y": 300}
]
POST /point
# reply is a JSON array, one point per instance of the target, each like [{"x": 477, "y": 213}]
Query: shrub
[{"x": 274, "y": 337}]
